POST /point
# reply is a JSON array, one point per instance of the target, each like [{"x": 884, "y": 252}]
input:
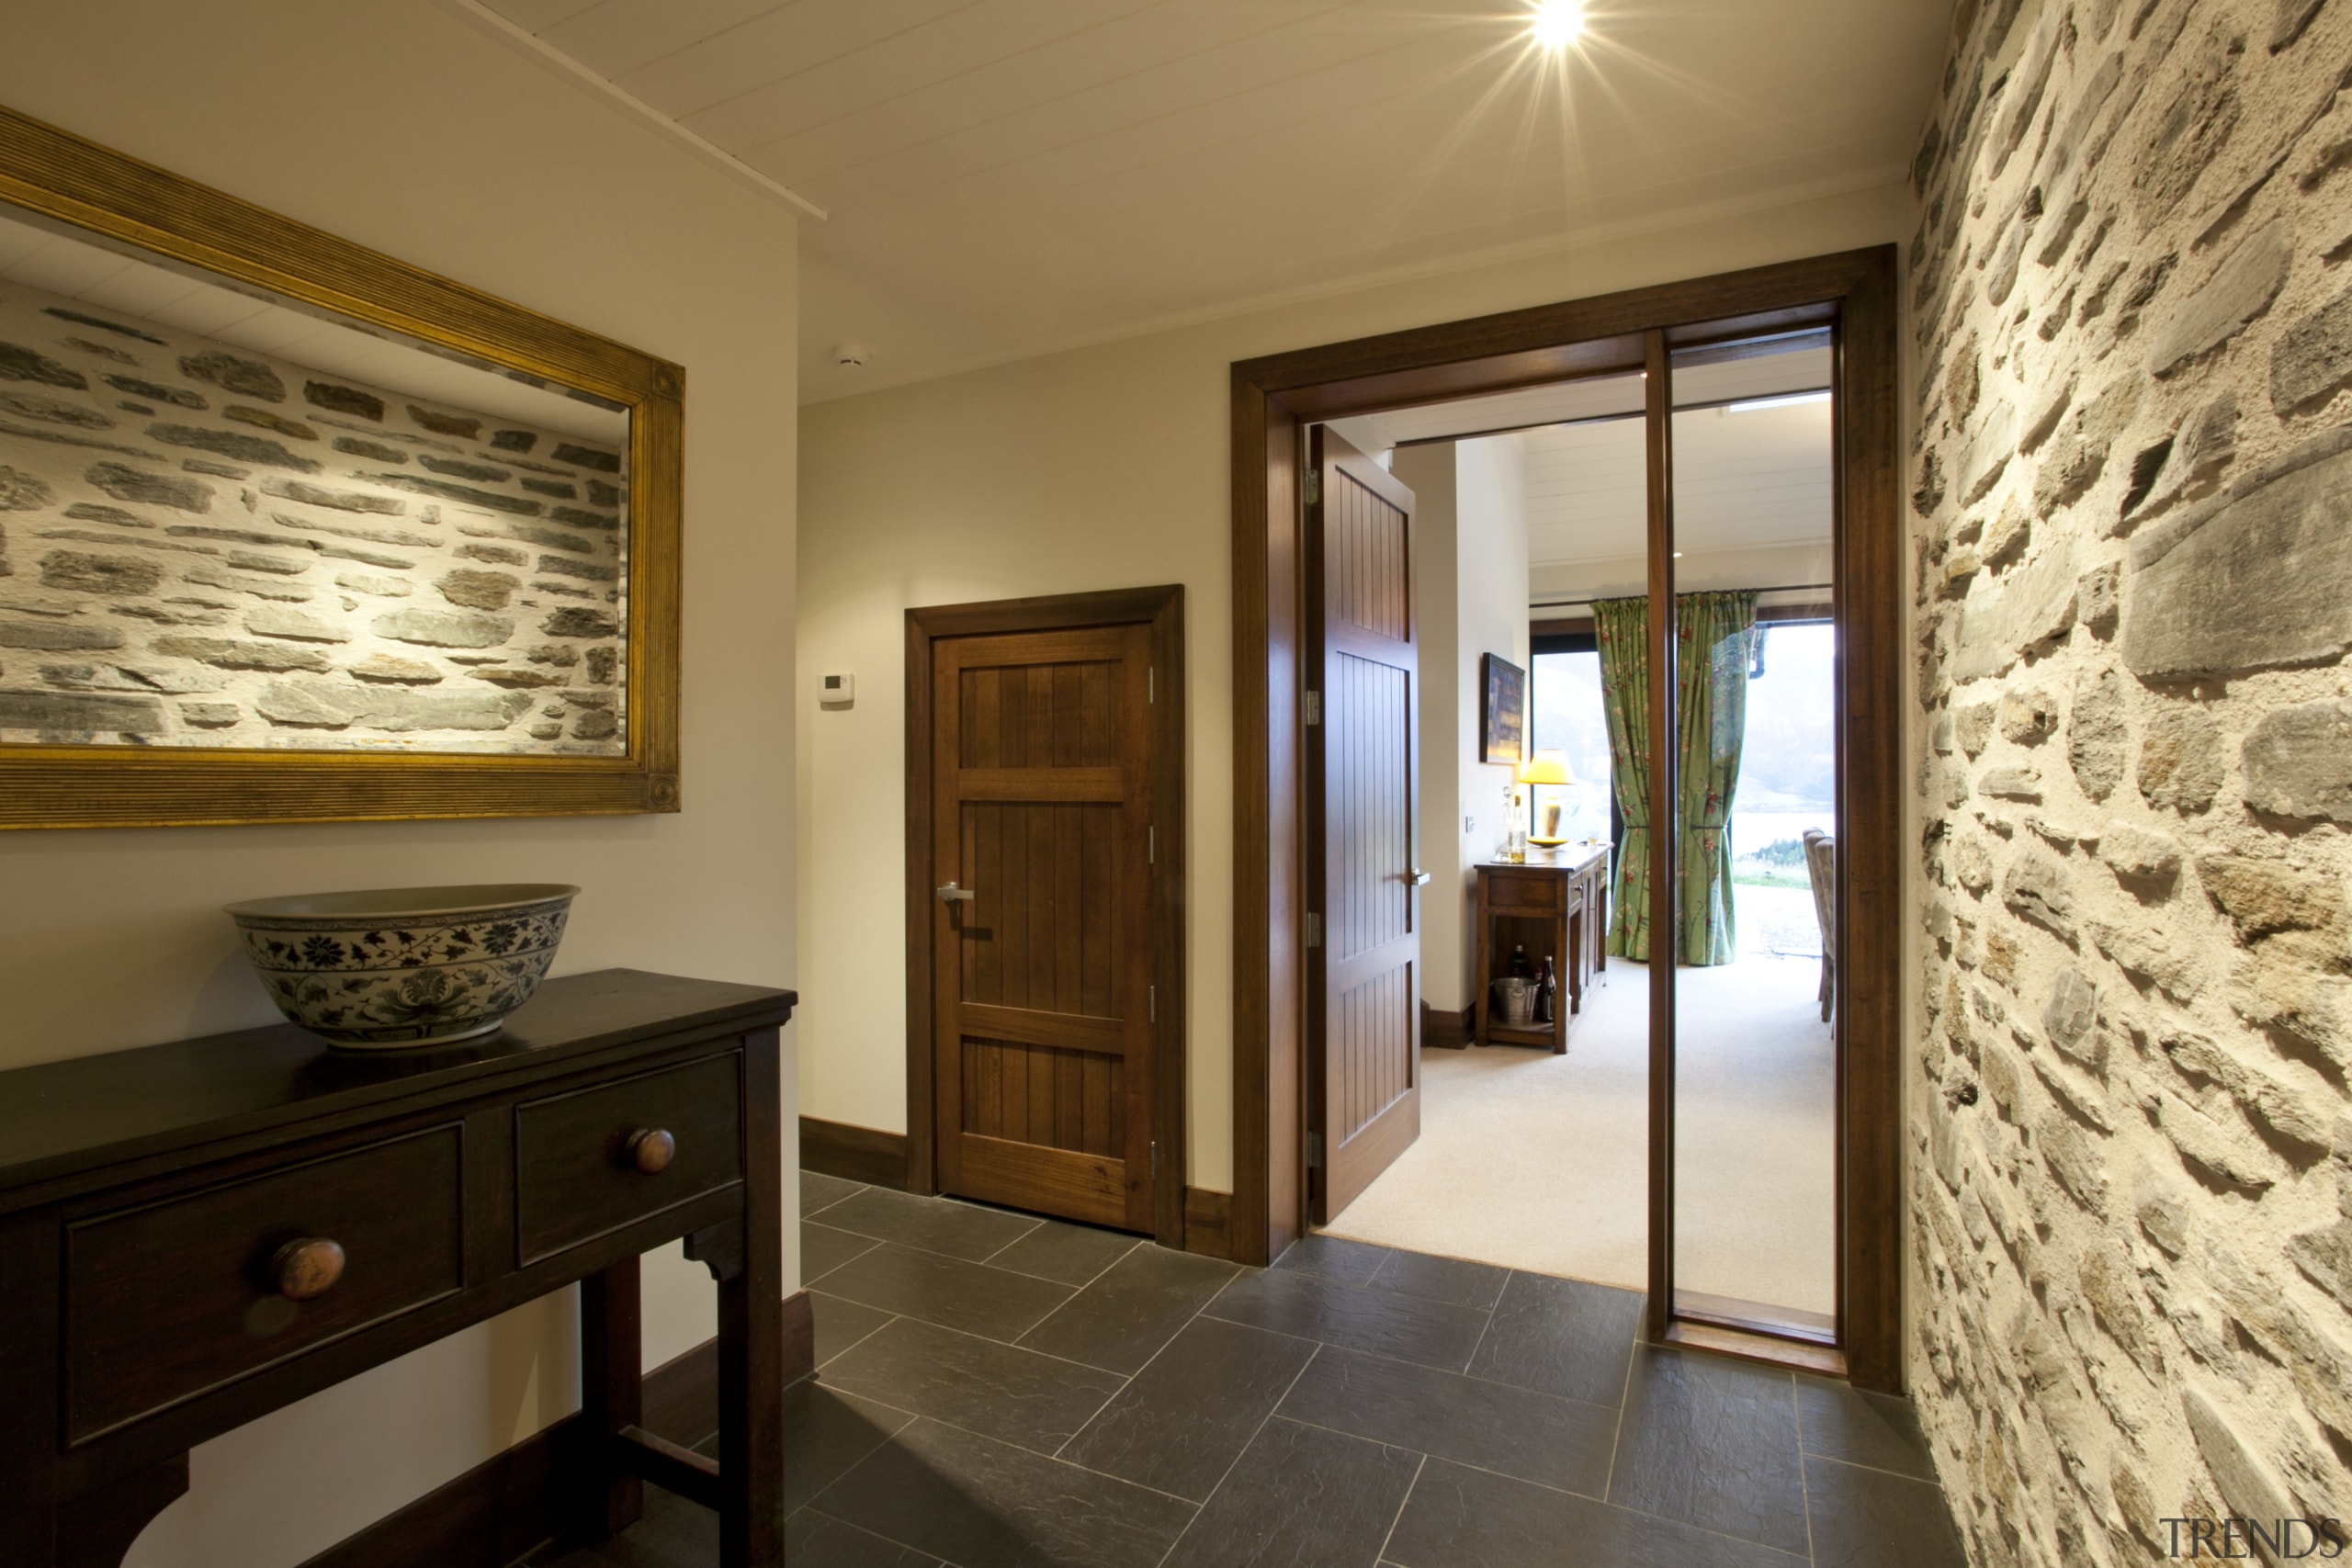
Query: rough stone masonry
[
  {"x": 201, "y": 546},
  {"x": 2131, "y": 301}
]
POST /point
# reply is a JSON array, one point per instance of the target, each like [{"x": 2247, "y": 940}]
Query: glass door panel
[{"x": 1755, "y": 1063}]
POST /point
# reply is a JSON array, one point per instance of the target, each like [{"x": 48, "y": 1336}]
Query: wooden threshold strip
[{"x": 1771, "y": 1349}]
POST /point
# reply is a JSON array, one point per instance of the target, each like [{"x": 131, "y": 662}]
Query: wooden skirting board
[
  {"x": 1208, "y": 1222},
  {"x": 1446, "y": 1029},
  {"x": 513, "y": 1503},
  {"x": 854, "y": 1153}
]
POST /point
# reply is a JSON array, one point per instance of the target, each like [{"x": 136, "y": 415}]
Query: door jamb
[
  {"x": 1273, "y": 398},
  {"x": 1162, "y": 608}
]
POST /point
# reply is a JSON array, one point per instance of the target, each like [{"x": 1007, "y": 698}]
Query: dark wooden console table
[
  {"x": 192, "y": 1236},
  {"x": 1556, "y": 909}
]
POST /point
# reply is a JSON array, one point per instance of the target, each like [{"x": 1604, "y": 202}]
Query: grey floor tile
[
  {"x": 827, "y": 1430},
  {"x": 1015, "y": 1396},
  {"x": 818, "y": 1190},
  {"x": 1187, "y": 1418},
  {"x": 1880, "y": 1430},
  {"x": 841, "y": 1324},
  {"x": 1535, "y": 1436},
  {"x": 1561, "y": 1336},
  {"x": 1122, "y": 1319},
  {"x": 1459, "y": 1517},
  {"x": 1301, "y": 1497},
  {"x": 1714, "y": 1443},
  {"x": 1334, "y": 1258},
  {"x": 1455, "y": 1280},
  {"x": 1065, "y": 1253},
  {"x": 812, "y": 1540},
  {"x": 939, "y": 1289},
  {"x": 981, "y": 1503},
  {"x": 934, "y": 1225},
  {"x": 1865, "y": 1517},
  {"x": 824, "y": 1249},
  {"x": 1313, "y": 1307}
]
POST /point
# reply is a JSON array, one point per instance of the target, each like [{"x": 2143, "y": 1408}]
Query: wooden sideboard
[
  {"x": 194, "y": 1234},
  {"x": 1556, "y": 909}
]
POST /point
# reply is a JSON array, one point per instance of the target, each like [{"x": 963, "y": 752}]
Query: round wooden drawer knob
[
  {"x": 651, "y": 1150},
  {"x": 305, "y": 1269}
]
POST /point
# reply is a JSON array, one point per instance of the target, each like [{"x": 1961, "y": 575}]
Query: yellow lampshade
[{"x": 1547, "y": 768}]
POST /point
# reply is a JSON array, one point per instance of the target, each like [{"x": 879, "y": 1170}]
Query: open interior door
[{"x": 1362, "y": 739}]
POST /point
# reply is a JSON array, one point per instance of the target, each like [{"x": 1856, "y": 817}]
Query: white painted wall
[
  {"x": 1490, "y": 549},
  {"x": 1099, "y": 468},
  {"x": 1428, "y": 472},
  {"x": 394, "y": 125},
  {"x": 1470, "y": 554}
]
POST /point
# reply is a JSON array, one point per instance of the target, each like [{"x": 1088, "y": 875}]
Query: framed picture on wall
[{"x": 1502, "y": 710}]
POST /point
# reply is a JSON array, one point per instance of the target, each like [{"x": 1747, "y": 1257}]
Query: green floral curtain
[
  {"x": 1621, "y": 628},
  {"x": 1714, "y": 642}
]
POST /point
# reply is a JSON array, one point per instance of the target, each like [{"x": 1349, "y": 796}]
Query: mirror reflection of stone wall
[{"x": 206, "y": 546}]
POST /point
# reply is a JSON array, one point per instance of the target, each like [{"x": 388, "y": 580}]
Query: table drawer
[
  {"x": 1524, "y": 892},
  {"x": 173, "y": 1298},
  {"x": 576, "y": 1174}
]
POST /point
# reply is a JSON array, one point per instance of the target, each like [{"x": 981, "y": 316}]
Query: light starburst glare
[{"x": 1557, "y": 23}]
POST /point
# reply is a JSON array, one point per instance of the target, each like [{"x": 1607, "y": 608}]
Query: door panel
[
  {"x": 1364, "y": 988},
  {"x": 1043, "y": 1038}
]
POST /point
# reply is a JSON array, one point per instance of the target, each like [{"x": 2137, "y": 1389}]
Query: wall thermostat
[{"x": 836, "y": 691}]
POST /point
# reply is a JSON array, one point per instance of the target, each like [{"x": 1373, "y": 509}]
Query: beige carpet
[{"x": 1539, "y": 1162}]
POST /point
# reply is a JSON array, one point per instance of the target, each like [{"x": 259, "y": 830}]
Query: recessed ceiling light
[{"x": 1557, "y": 23}]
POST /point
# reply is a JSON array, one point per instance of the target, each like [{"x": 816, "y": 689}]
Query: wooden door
[
  {"x": 1363, "y": 981},
  {"x": 1043, "y": 1013}
]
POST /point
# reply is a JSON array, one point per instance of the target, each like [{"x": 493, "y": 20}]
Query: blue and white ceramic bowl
[{"x": 404, "y": 965}]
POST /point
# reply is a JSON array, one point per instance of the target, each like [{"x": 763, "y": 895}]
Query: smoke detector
[{"x": 849, "y": 352}]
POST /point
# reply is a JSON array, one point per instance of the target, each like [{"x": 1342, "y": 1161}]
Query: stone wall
[
  {"x": 2133, "y": 459},
  {"x": 201, "y": 546}
]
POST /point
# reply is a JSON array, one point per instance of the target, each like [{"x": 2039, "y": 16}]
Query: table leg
[
  {"x": 1581, "y": 934},
  {"x": 1601, "y": 921},
  {"x": 612, "y": 1392},
  {"x": 751, "y": 1340},
  {"x": 94, "y": 1531}
]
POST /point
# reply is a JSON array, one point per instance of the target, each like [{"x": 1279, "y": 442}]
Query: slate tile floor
[{"x": 994, "y": 1389}]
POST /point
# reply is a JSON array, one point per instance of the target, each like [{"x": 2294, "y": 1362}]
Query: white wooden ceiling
[{"x": 1007, "y": 177}]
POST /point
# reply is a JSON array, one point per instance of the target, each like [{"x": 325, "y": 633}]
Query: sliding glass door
[{"x": 1742, "y": 934}]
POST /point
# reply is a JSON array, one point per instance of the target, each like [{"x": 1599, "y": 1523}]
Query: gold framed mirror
[{"x": 293, "y": 531}]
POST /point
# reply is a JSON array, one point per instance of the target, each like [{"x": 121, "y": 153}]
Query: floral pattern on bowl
[{"x": 404, "y": 967}]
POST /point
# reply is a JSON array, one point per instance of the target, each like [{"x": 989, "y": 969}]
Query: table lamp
[{"x": 1543, "y": 819}]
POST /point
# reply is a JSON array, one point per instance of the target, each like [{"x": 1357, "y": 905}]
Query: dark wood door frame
[
  {"x": 1162, "y": 608},
  {"x": 1854, "y": 293}
]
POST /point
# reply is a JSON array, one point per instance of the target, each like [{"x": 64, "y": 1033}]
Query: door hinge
[
  {"x": 1315, "y": 1151},
  {"x": 1314, "y": 707},
  {"x": 1314, "y": 929},
  {"x": 1151, "y": 1004},
  {"x": 1155, "y": 1161},
  {"x": 1151, "y": 683},
  {"x": 1151, "y": 846},
  {"x": 1314, "y": 487}
]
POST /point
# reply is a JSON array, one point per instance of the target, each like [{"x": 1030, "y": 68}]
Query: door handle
[
  {"x": 951, "y": 894},
  {"x": 1417, "y": 877}
]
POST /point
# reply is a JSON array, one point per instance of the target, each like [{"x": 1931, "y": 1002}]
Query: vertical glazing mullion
[{"x": 1658, "y": 431}]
